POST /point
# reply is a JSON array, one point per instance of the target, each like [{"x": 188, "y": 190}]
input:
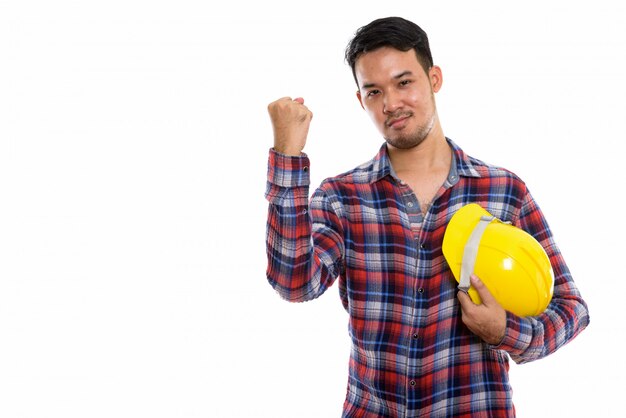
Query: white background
[{"x": 133, "y": 150}]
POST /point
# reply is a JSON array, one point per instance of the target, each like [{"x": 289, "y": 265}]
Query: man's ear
[
  {"x": 358, "y": 96},
  {"x": 436, "y": 78}
]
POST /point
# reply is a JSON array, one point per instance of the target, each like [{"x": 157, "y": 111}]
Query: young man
[{"x": 419, "y": 347}]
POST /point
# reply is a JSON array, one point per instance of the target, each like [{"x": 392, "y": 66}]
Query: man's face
[{"x": 398, "y": 95}]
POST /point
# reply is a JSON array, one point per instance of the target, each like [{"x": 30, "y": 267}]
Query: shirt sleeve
[
  {"x": 303, "y": 240},
  {"x": 531, "y": 338}
]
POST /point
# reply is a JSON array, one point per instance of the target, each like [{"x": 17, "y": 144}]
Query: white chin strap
[{"x": 471, "y": 251}]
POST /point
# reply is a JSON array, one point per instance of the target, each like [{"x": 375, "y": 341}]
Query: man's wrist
[{"x": 290, "y": 152}]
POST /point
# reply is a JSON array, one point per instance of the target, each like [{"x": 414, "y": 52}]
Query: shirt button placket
[
  {"x": 420, "y": 247},
  {"x": 415, "y": 336}
]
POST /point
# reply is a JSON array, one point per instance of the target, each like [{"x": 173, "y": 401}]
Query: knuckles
[{"x": 286, "y": 108}]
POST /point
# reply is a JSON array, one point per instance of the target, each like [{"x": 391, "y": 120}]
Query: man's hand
[
  {"x": 487, "y": 320},
  {"x": 291, "y": 120}
]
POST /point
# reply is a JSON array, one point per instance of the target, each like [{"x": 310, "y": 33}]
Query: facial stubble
[{"x": 421, "y": 132}]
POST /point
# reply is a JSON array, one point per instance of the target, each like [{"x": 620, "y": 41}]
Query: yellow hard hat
[{"x": 509, "y": 261}]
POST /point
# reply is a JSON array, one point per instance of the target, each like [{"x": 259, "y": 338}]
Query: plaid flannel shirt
[{"x": 411, "y": 354}]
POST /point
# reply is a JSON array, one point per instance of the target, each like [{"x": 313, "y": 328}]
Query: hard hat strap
[{"x": 471, "y": 251}]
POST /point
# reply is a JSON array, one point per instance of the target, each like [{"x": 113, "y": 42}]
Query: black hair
[{"x": 395, "y": 32}]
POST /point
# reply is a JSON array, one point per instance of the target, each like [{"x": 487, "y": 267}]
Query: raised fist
[{"x": 291, "y": 120}]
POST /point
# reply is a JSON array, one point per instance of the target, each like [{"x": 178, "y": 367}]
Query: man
[{"x": 419, "y": 347}]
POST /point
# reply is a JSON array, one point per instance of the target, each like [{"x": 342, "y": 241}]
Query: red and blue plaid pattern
[{"x": 411, "y": 354}]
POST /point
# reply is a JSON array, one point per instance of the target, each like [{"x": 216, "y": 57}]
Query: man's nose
[{"x": 392, "y": 102}]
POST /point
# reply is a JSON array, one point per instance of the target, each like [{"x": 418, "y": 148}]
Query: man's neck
[{"x": 433, "y": 154}]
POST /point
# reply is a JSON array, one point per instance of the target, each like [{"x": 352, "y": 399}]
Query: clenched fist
[{"x": 291, "y": 120}]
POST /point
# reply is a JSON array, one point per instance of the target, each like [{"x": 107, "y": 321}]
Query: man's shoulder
[
  {"x": 474, "y": 167},
  {"x": 488, "y": 167},
  {"x": 362, "y": 174},
  {"x": 489, "y": 170}
]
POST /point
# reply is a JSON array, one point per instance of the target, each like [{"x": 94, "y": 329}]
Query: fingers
[
  {"x": 486, "y": 298},
  {"x": 487, "y": 319},
  {"x": 287, "y": 105},
  {"x": 287, "y": 99},
  {"x": 290, "y": 121},
  {"x": 482, "y": 290},
  {"x": 465, "y": 300}
]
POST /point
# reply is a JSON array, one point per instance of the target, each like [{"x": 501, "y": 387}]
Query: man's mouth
[{"x": 398, "y": 121}]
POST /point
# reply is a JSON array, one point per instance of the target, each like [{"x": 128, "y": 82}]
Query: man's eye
[
  {"x": 372, "y": 93},
  {"x": 405, "y": 82}
]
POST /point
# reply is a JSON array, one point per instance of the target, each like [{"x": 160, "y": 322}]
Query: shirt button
[
  {"x": 415, "y": 336},
  {"x": 420, "y": 290},
  {"x": 410, "y": 204},
  {"x": 305, "y": 168},
  {"x": 412, "y": 382}
]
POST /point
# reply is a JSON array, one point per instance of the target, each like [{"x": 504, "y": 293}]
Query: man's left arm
[{"x": 531, "y": 338}]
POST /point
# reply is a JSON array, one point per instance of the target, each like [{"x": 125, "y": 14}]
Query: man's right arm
[
  {"x": 304, "y": 239},
  {"x": 304, "y": 244}
]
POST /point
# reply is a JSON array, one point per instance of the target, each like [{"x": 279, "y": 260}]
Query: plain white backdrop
[{"x": 133, "y": 149}]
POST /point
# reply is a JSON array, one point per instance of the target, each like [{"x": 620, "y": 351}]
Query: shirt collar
[{"x": 462, "y": 165}]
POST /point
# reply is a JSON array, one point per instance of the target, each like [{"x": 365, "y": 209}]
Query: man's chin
[{"x": 404, "y": 143}]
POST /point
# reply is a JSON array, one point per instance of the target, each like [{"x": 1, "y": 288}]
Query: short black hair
[{"x": 395, "y": 32}]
